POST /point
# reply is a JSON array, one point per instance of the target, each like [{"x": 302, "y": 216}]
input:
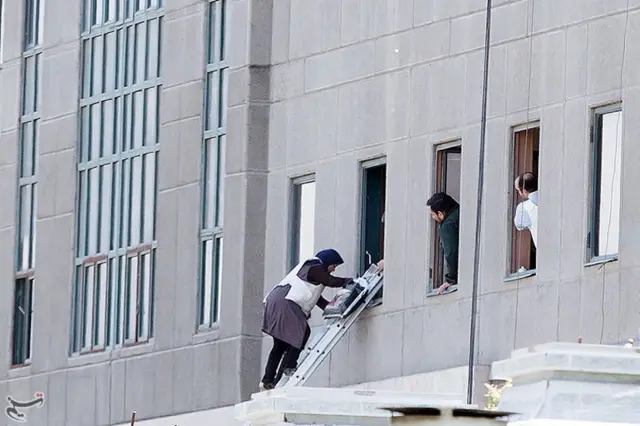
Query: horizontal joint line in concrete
[
  {"x": 130, "y": 357},
  {"x": 167, "y": 87},
  {"x": 178, "y": 187},
  {"x": 45, "y": 120},
  {"x": 253, "y": 172}
]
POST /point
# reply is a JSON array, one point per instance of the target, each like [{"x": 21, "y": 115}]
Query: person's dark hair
[
  {"x": 442, "y": 202},
  {"x": 528, "y": 182}
]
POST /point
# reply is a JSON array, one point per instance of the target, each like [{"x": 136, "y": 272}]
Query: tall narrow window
[
  {"x": 606, "y": 142},
  {"x": 447, "y": 179},
  {"x": 117, "y": 174},
  {"x": 374, "y": 191},
  {"x": 214, "y": 141},
  {"x": 526, "y": 149},
  {"x": 303, "y": 219},
  {"x": 29, "y": 132}
]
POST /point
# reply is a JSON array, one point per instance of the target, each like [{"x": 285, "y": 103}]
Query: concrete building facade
[{"x": 138, "y": 135}]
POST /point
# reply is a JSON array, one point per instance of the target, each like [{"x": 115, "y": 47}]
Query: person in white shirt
[{"x": 526, "y": 216}]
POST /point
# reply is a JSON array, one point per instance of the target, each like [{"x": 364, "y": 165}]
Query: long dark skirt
[{"x": 284, "y": 319}]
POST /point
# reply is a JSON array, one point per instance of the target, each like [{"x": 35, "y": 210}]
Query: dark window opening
[
  {"x": 526, "y": 151},
  {"x": 373, "y": 209},
  {"x": 447, "y": 179},
  {"x": 22, "y": 321}
]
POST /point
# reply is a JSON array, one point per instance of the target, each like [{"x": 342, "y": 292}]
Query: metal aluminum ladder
[{"x": 335, "y": 328}]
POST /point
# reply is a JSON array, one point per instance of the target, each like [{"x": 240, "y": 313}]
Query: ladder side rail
[{"x": 313, "y": 361}]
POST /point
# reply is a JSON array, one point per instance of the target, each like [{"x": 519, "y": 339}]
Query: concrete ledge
[
  {"x": 334, "y": 406},
  {"x": 570, "y": 381},
  {"x": 570, "y": 360}
]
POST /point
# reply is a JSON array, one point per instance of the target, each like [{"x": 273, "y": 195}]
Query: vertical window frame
[
  {"x": 595, "y": 177},
  {"x": 27, "y": 177},
  {"x": 514, "y": 236},
  {"x": 365, "y": 166},
  {"x": 212, "y": 189},
  {"x": 295, "y": 191},
  {"x": 437, "y": 264},
  {"x": 114, "y": 161}
]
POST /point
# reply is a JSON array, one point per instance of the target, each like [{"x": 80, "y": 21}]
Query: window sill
[
  {"x": 204, "y": 335},
  {"x": 118, "y": 352},
  {"x": 19, "y": 371},
  {"x": 601, "y": 260},
  {"x": 520, "y": 275}
]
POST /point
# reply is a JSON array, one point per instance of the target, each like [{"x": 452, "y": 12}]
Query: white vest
[{"x": 302, "y": 293}]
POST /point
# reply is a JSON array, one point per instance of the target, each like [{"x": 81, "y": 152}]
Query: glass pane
[
  {"x": 149, "y": 196},
  {"x": 213, "y": 39},
  {"x": 32, "y": 248},
  {"x": 127, "y": 123},
  {"x": 97, "y": 68},
  {"x": 453, "y": 167},
  {"x": 222, "y": 102},
  {"x": 136, "y": 200},
  {"x": 99, "y": 12},
  {"x": 141, "y": 51},
  {"x": 86, "y": 68},
  {"x": 96, "y": 131},
  {"x": 121, "y": 300},
  {"x": 89, "y": 301},
  {"x": 221, "y": 32},
  {"x": 213, "y": 86},
  {"x": 101, "y": 305},
  {"x": 112, "y": 302},
  {"x": 119, "y": 125},
  {"x": 108, "y": 116},
  {"x": 111, "y": 61},
  {"x": 221, "y": 173},
  {"x": 36, "y": 83},
  {"x": 94, "y": 212},
  {"x": 26, "y": 154},
  {"x": 125, "y": 184},
  {"x": 29, "y": 85},
  {"x": 145, "y": 310},
  {"x": 211, "y": 183},
  {"x": 306, "y": 224},
  {"x": 112, "y": 10},
  {"x": 116, "y": 212},
  {"x": 132, "y": 298},
  {"x": 130, "y": 51},
  {"x": 120, "y": 57},
  {"x": 138, "y": 119},
  {"x": 609, "y": 196},
  {"x": 105, "y": 208},
  {"x": 82, "y": 214},
  {"x": 86, "y": 134},
  {"x": 206, "y": 286},
  {"x": 218, "y": 274},
  {"x": 151, "y": 116},
  {"x": 26, "y": 209},
  {"x": 153, "y": 42}
]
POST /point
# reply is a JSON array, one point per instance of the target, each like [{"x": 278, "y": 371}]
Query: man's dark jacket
[{"x": 449, "y": 231}]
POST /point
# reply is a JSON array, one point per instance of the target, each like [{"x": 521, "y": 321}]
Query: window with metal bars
[
  {"x": 117, "y": 174},
  {"x": 29, "y": 133},
  {"x": 214, "y": 140}
]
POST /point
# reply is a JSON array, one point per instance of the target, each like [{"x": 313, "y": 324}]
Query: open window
[
  {"x": 526, "y": 151},
  {"x": 374, "y": 182},
  {"x": 606, "y": 157},
  {"x": 303, "y": 219},
  {"x": 448, "y": 159},
  {"x": 22, "y": 321}
]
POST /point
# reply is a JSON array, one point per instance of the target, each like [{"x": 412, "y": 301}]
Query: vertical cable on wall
[{"x": 476, "y": 254}]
